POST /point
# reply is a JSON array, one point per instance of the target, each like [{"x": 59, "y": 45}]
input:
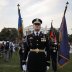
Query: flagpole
[
  {"x": 18, "y": 13},
  {"x": 18, "y": 6},
  {"x": 51, "y": 23},
  {"x": 66, "y": 7}
]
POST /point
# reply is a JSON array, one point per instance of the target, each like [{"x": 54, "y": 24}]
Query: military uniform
[
  {"x": 21, "y": 54},
  {"x": 38, "y": 52},
  {"x": 36, "y": 49},
  {"x": 53, "y": 51}
]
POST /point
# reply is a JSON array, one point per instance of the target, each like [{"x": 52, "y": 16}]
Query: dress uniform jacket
[{"x": 37, "y": 52}]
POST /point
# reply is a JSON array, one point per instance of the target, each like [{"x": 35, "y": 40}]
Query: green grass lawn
[{"x": 13, "y": 65}]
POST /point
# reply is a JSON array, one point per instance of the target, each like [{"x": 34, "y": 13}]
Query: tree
[{"x": 9, "y": 34}]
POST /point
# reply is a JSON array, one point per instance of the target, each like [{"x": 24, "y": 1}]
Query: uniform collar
[
  {"x": 40, "y": 33},
  {"x": 36, "y": 32}
]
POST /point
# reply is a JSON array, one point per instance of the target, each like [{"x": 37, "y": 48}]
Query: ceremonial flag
[
  {"x": 20, "y": 27},
  {"x": 52, "y": 33},
  {"x": 64, "y": 45}
]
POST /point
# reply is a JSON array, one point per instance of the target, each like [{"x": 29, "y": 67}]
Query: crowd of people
[{"x": 6, "y": 50}]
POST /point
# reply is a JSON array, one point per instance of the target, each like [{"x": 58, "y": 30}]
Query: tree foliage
[{"x": 8, "y": 34}]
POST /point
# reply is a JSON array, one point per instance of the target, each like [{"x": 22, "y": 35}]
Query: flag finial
[
  {"x": 67, "y": 3},
  {"x": 66, "y": 7},
  {"x": 18, "y": 5}
]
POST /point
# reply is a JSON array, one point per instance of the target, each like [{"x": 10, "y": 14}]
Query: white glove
[
  {"x": 24, "y": 67},
  {"x": 47, "y": 67},
  {"x": 55, "y": 43}
]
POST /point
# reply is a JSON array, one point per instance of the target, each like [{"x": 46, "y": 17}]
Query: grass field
[{"x": 13, "y": 65}]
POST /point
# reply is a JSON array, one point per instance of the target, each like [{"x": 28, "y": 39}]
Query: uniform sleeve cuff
[
  {"x": 23, "y": 61},
  {"x": 48, "y": 63}
]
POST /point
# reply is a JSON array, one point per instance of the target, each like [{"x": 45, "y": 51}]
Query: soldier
[
  {"x": 36, "y": 49},
  {"x": 21, "y": 54},
  {"x": 53, "y": 49}
]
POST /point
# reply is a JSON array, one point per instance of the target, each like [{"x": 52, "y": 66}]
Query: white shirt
[{"x": 36, "y": 33}]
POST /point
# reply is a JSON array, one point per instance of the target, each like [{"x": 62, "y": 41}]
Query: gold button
[
  {"x": 37, "y": 44},
  {"x": 37, "y": 40}
]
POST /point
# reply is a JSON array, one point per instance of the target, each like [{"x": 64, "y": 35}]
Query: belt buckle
[{"x": 37, "y": 50}]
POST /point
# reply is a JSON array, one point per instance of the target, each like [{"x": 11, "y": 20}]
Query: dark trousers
[
  {"x": 54, "y": 60},
  {"x": 54, "y": 65}
]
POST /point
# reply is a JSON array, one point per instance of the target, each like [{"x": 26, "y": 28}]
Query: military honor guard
[
  {"x": 53, "y": 52},
  {"x": 36, "y": 49}
]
